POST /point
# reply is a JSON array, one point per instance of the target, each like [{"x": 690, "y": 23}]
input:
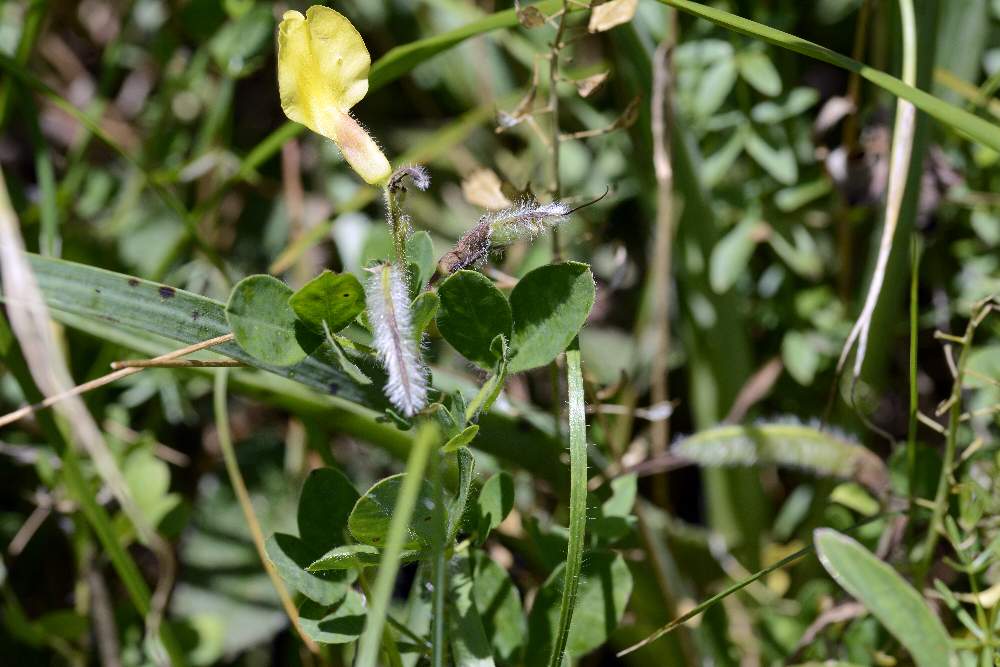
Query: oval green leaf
[
  {"x": 472, "y": 313},
  {"x": 339, "y": 625},
  {"x": 369, "y": 520},
  {"x": 333, "y": 298},
  {"x": 264, "y": 324},
  {"x": 355, "y": 556},
  {"x": 462, "y": 439},
  {"x": 291, "y": 557},
  {"x": 889, "y": 598},
  {"x": 324, "y": 506},
  {"x": 420, "y": 254},
  {"x": 758, "y": 70},
  {"x": 604, "y": 591},
  {"x": 549, "y": 305},
  {"x": 499, "y": 605},
  {"x": 422, "y": 310},
  {"x": 731, "y": 255},
  {"x": 494, "y": 503}
]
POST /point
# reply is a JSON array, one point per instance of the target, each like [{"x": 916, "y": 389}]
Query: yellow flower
[{"x": 323, "y": 72}]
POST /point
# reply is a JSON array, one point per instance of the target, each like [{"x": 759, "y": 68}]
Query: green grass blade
[
  {"x": 173, "y": 313},
  {"x": 890, "y": 599},
  {"x": 368, "y": 645},
  {"x": 439, "y": 566},
  {"x": 401, "y": 59},
  {"x": 735, "y": 588},
  {"x": 33, "y": 21},
  {"x": 972, "y": 126},
  {"x": 577, "y": 501}
]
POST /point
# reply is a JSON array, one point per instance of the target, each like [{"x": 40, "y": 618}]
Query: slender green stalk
[
  {"x": 398, "y": 224},
  {"x": 48, "y": 206},
  {"x": 959, "y": 119},
  {"x": 577, "y": 500},
  {"x": 440, "y": 568},
  {"x": 388, "y": 639},
  {"x": 738, "y": 586},
  {"x": 221, "y": 408},
  {"x": 378, "y": 604},
  {"x": 29, "y": 34}
]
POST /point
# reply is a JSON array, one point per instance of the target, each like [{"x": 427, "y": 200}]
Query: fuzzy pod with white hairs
[
  {"x": 524, "y": 221},
  {"x": 389, "y": 314}
]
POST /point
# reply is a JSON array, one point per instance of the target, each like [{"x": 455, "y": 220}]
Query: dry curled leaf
[
  {"x": 483, "y": 188},
  {"x": 610, "y": 14},
  {"x": 586, "y": 87}
]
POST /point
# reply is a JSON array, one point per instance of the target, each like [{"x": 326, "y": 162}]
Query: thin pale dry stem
[
  {"x": 49, "y": 401},
  {"x": 101, "y": 611},
  {"x": 177, "y": 363},
  {"x": 663, "y": 253},
  {"x": 243, "y": 496},
  {"x": 554, "y": 106},
  {"x": 899, "y": 166},
  {"x": 755, "y": 389}
]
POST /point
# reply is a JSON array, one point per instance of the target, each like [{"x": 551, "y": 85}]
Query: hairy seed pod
[{"x": 389, "y": 314}]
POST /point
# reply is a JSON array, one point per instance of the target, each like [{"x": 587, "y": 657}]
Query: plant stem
[
  {"x": 577, "y": 500},
  {"x": 398, "y": 225},
  {"x": 107, "y": 379},
  {"x": 899, "y": 168},
  {"x": 911, "y": 439},
  {"x": 738, "y": 586},
  {"x": 663, "y": 249},
  {"x": 243, "y": 496},
  {"x": 440, "y": 569},
  {"x": 388, "y": 640},
  {"x": 950, "y": 444},
  {"x": 426, "y": 438},
  {"x": 554, "y": 110}
]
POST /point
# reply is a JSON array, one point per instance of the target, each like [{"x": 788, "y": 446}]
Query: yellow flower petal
[{"x": 323, "y": 72}]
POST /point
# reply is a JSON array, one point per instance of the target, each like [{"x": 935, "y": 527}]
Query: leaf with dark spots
[{"x": 167, "y": 292}]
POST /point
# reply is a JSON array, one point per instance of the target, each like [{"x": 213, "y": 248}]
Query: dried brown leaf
[
  {"x": 610, "y": 14},
  {"x": 586, "y": 87},
  {"x": 483, "y": 188}
]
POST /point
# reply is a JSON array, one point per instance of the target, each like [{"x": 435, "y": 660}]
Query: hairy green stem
[
  {"x": 577, "y": 500},
  {"x": 440, "y": 567}
]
